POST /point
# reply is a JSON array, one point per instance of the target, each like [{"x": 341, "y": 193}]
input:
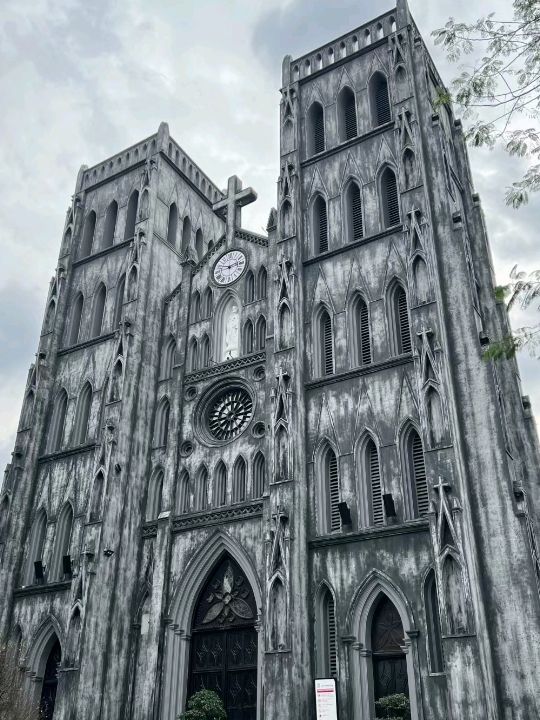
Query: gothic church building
[{"x": 247, "y": 461}]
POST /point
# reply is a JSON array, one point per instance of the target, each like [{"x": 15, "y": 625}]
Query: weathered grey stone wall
[{"x": 140, "y": 560}]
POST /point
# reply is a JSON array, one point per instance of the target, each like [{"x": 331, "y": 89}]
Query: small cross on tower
[{"x": 229, "y": 209}]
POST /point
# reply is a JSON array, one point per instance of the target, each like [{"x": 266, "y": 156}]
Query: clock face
[{"x": 229, "y": 267}]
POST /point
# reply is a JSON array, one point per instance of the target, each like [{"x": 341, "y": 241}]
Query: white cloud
[{"x": 82, "y": 80}]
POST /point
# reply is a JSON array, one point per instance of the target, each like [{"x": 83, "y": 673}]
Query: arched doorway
[
  {"x": 388, "y": 659},
  {"x": 50, "y": 682},
  {"x": 224, "y": 646}
]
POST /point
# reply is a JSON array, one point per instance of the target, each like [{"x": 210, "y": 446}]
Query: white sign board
[{"x": 326, "y": 699}]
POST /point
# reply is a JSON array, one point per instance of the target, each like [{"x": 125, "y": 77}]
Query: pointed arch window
[
  {"x": 89, "y": 230},
  {"x": 261, "y": 282},
  {"x": 131, "y": 217},
  {"x": 286, "y": 220},
  {"x": 239, "y": 481},
  {"x": 319, "y": 225},
  {"x": 354, "y": 214},
  {"x": 326, "y": 343},
  {"x": 192, "y": 357},
  {"x": 82, "y": 415},
  {"x": 36, "y": 546},
  {"x": 227, "y": 329},
  {"x": 50, "y": 680},
  {"x": 186, "y": 234},
  {"x": 199, "y": 244},
  {"x": 110, "y": 225},
  {"x": 155, "y": 491},
  {"x": 374, "y": 486},
  {"x": 195, "y": 307},
  {"x": 183, "y": 497},
  {"x": 116, "y": 384},
  {"x": 326, "y": 634},
  {"x": 28, "y": 409},
  {"x": 260, "y": 332},
  {"x": 285, "y": 334},
  {"x": 409, "y": 168},
  {"x": 161, "y": 428},
  {"x": 361, "y": 333},
  {"x": 58, "y": 419},
  {"x": 96, "y": 500},
  {"x": 416, "y": 473},
  {"x": 282, "y": 454},
  {"x": 201, "y": 490},
  {"x": 98, "y": 311},
  {"x": 259, "y": 475},
  {"x": 49, "y": 317},
  {"x": 207, "y": 303},
  {"x": 435, "y": 417},
  {"x": 172, "y": 225},
  {"x": 453, "y": 592},
  {"x": 249, "y": 288},
  {"x": 62, "y": 542},
  {"x": 380, "y": 100},
  {"x": 132, "y": 283},
  {"x": 75, "y": 320},
  {"x": 331, "y": 492},
  {"x": 348, "y": 128},
  {"x": 220, "y": 484},
  {"x": 390, "y": 198},
  {"x": 4, "y": 515},
  {"x": 205, "y": 351},
  {"x": 401, "y": 326},
  {"x": 431, "y": 603},
  {"x": 315, "y": 129},
  {"x": 248, "y": 337},
  {"x": 74, "y": 634},
  {"x": 167, "y": 358},
  {"x": 421, "y": 280}
]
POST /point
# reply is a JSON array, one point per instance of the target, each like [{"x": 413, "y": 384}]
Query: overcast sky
[{"x": 80, "y": 81}]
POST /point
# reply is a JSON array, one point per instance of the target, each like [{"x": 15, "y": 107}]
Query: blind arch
[
  {"x": 98, "y": 311},
  {"x": 131, "y": 217},
  {"x": 82, "y": 415},
  {"x": 110, "y": 225}
]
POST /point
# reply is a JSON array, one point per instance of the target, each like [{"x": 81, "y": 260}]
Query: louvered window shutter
[
  {"x": 322, "y": 218},
  {"x": 351, "y": 130},
  {"x": 403, "y": 329},
  {"x": 390, "y": 199},
  {"x": 318, "y": 130},
  {"x": 377, "y": 514},
  {"x": 382, "y": 102},
  {"x": 327, "y": 345},
  {"x": 356, "y": 211},
  {"x": 333, "y": 486},
  {"x": 419, "y": 474},
  {"x": 364, "y": 334},
  {"x": 332, "y": 635}
]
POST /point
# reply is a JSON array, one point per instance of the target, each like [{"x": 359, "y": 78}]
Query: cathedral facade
[{"x": 248, "y": 461}]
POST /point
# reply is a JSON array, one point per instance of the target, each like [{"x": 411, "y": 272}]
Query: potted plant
[
  {"x": 204, "y": 705},
  {"x": 393, "y": 707}
]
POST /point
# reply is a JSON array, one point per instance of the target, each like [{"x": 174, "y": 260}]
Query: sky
[{"x": 80, "y": 81}]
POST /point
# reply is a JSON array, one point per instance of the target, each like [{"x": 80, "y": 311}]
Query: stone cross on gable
[{"x": 229, "y": 209}]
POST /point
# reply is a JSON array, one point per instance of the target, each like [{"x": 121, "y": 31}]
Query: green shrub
[
  {"x": 204, "y": 705},
  {"x": 394, "y": 707}
]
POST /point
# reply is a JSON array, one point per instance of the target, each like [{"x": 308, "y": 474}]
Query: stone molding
[{"x": 226, "y": 367}]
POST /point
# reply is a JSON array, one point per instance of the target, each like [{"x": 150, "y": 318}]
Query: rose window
[{"x": 229, "y": 414}]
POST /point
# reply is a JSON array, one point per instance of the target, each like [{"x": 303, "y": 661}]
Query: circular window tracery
[{"x": 229, "y": 413}]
